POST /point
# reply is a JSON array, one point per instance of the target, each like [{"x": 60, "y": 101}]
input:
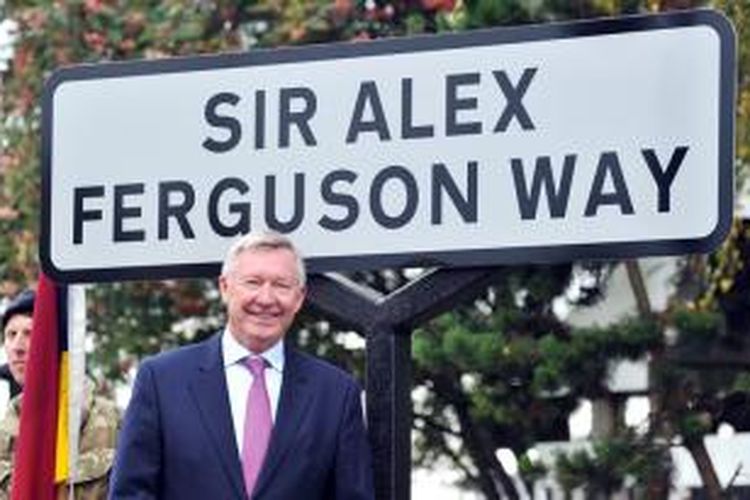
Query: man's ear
[
  {"x": 303, "y": 296},
  {"x": 223, "y": 285}
]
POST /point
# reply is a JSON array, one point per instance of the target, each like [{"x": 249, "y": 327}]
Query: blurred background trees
[{"x": 504, "y": 371}]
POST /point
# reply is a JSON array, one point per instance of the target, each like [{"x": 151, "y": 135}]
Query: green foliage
[
  {"x": 509, "y": 366},
  {"x": 692, "y": 323},
  {"x": 319, "y": 336},
  {"x": 453, "y": 345},
  {"x": 490, "y": 13},
  {"x": 581, "y": 361},
  {"x": 741, "y": 383},
  {"x": 693, "y": 426},
  {"x": 611, "y": 462},
  {"x": 531, "y": 470},
  {"x": 697, "y": 329},
  {"x": 132, "y": 320}
]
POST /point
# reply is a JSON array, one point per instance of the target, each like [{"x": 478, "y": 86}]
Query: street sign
[{"x": 602, "y": 139}]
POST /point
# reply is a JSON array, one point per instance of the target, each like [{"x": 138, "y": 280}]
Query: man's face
[
  {"x": 16, "y": 340},
  {"x": 262, "y": 294}
]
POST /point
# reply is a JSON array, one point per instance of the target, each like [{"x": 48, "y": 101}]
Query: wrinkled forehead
[
  {"x": 296, "y": 266},
  {"x": 18, "y": 321}
]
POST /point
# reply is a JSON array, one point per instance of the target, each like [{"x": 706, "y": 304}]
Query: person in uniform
[
  {"x": 100, "y": 418},
  {"x": 6, "y": 377}
]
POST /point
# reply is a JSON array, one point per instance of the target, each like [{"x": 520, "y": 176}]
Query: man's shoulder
[
  {"x": 182, "y": 360},
  {"x": 104, "y": 411}
]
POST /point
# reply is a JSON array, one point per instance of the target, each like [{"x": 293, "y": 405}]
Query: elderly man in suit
[{"x": 243, "y": 414}]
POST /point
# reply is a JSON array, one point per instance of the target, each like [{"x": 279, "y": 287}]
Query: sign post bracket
[{"x": 387, "y": 323}]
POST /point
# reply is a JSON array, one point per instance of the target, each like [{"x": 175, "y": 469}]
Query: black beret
[{"x": 23, "y": 303}]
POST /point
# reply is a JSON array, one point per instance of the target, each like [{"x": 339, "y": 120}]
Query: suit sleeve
[
  {"x": 137, "y": 468},
  {"x": 353, "y": 472}
]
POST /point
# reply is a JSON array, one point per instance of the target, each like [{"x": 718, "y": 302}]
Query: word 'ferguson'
[{"x": 393, "y": 197}]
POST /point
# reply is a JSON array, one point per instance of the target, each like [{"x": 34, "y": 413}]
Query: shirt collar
[{"x": 234, "y": 352}]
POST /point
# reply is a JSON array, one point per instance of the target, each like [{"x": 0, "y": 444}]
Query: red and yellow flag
[{"x": 41, "y": 456}]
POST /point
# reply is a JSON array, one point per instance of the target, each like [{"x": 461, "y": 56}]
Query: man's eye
[{"x": 253, "y": 283}]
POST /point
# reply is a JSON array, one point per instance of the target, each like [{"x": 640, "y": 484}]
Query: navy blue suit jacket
[{"x": 177, "y": 440}]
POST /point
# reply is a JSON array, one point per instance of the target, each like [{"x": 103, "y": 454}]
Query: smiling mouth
[
  {"x": 263, "y": 315},
  {"x": 265, "y": 319}
]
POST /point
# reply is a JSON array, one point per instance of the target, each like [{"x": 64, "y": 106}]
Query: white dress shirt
[{"x": 239, "y": 379}]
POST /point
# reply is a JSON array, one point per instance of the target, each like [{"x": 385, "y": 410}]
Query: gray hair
[{"x": 264, "y": 240}]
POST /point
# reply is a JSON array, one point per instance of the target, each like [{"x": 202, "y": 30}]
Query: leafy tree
[
  {"x": 603, "y": 471},
  {"x": 506, "y": 373},
  {"x": 54, "y": 34}
]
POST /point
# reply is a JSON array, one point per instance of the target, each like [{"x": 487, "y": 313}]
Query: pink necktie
[{"x": 258, "y": 424}]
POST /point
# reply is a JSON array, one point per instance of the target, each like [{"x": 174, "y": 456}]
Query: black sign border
[{"x": 453, "y": 258}]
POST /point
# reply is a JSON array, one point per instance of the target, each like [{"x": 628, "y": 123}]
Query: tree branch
[{"x": 435, "y": 425}]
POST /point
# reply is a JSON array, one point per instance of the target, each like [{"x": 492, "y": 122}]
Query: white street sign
[{"x": 603, "y": 139}]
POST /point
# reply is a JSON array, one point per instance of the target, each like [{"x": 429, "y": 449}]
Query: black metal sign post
[{"x": 387, "y": 322}]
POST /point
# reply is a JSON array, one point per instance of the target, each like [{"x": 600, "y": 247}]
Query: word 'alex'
[{"x": 297, "y": 107}]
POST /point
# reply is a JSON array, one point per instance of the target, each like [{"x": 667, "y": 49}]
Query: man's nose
[
  {"x": 19, "y": 344},
  {"x": 265, "y": 293}
]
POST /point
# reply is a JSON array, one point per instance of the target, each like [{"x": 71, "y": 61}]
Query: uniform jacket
[
  {"x": 99, "y": 425},
  {"x": 178, "y": 438}
]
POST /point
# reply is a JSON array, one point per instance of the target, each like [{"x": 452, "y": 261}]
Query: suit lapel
[
  {"x": 209, "y": 390},
  {"x": 295, "y": 396}
]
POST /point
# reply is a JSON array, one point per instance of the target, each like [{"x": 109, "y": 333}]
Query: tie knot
[{"x": 256, "y": 365}]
